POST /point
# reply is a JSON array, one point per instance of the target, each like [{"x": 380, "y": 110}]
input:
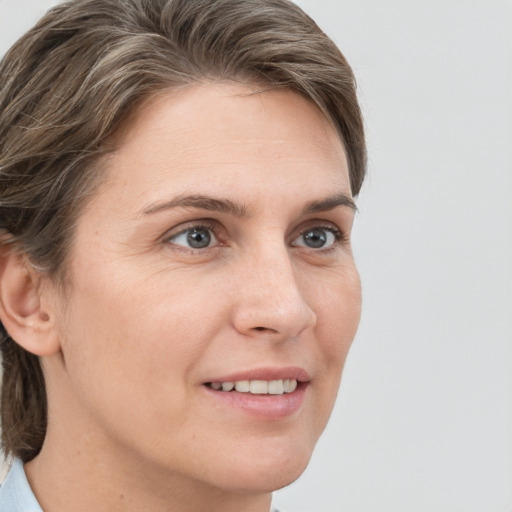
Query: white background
[{"x": 424, "y": 419}]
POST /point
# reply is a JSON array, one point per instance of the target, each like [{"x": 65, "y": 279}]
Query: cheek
[
  {"x": 338, "y": 307},
  {"x": 123, "y": 354},
  {"x": 338, "y": 313},
  {"x": 136, "y": 331}
]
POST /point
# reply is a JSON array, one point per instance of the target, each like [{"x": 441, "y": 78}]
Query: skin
[{"x": 146, "y": 320}]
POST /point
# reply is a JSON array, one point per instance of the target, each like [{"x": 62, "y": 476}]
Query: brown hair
[{"x": 68, "y": 84}]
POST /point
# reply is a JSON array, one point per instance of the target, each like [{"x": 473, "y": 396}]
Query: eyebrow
[
  {"x": 240, "y": 210},
  {"x": 204, "y": 203},
  {"x": 330, "y": 203}
]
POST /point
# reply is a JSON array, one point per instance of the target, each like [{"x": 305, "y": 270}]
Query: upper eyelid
[
  {"x": 319, "y": 223},
  {"x": 188, "y": 225},
  {"x": 333, "y": 229}
]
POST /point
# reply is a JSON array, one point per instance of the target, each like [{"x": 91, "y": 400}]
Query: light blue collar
[{"x": 15, "y": 492}]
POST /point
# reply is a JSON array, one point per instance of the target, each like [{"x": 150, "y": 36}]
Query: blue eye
[
  {"x": 317, "y": 238},
  {"x": 198, "y": 237}
]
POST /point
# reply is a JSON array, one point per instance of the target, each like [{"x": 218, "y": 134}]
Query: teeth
[
  {"x": 258, "y": 387},
  {"x": 291, "y": 385},
  {"x": 276, "y": 387},
  {"x": 243, "y": 386}
]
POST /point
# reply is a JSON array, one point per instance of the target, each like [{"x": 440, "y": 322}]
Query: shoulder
[{"x": 15, "y": 492}]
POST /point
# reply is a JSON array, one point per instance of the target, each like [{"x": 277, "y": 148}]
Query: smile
[{"x": 257, "y": 387}]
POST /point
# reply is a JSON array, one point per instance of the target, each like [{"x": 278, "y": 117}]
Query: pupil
[
  {"x": 198, "y": 238},
  {"x": 315, "y": 238}
]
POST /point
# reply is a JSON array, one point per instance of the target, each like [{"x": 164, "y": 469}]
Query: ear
[{"x": 24, "y": 309}]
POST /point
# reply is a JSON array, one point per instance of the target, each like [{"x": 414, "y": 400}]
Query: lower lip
[{"x": 269, "y": 407}]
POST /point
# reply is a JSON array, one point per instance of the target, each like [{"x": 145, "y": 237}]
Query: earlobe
[{"x": 23, "y": 310}]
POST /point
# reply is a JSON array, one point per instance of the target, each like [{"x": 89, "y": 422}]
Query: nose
[{"x": 270, "y": 301}]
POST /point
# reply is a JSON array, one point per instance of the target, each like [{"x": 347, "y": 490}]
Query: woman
[{"x": 177, "y": 288}]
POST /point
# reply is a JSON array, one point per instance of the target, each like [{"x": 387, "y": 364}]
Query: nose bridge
[{"x": 272, "y": 298}]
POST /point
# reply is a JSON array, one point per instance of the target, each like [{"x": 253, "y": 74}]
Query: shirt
[{"x": 16, "y": 494}]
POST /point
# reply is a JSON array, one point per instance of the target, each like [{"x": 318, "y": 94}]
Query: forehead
[{"x": 223, "y": 136}]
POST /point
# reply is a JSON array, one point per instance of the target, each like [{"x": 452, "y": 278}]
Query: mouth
[
  {"x": 256, "y": 387},
  {"x": 265, "y": 393}
]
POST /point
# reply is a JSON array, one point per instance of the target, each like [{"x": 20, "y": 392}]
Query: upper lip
[{"x": 283, "y": 373}]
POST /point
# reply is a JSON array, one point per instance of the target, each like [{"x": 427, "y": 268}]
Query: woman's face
[{"x": 216, "y": 251}]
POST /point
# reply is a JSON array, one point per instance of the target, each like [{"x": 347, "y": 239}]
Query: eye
[
  {"x": 196, "y": 237},
  {"x": 317, "y": 238}
]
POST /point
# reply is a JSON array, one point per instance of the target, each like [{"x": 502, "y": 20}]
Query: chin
[{"x": 258, "y": 475}]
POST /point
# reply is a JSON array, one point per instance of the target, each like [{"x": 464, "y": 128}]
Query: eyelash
[
  {"x": 213, "y": 227},
  {"x": 201, "y": 225},
  {"x": 339, "y": 237}
]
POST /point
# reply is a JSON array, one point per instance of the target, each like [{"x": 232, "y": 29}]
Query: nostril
[{"x": 265, "y": 329}]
